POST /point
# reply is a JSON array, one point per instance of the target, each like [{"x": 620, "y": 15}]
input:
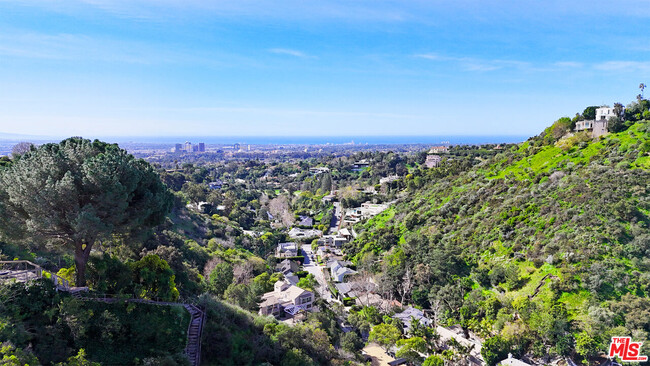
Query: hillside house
[
  {"x": 286, "y": 299},
  {"x": 360, "y": 165},
  {"x": 604, "y": 113},
  {"x": 306, "y": 221},
  {"x": 366, "y": 211},
  {"x": 352, "y": 216},
  {"x": 318, "y": 170},
  {"x": 345, "y": 289},
  {"x": 336, "y": 241},
  {"x": 287, "y": 266},
  {"x": 292, "y": 279},
  {"x": 345, "y": 233},
  {"x": 285, "y": 250},
  {"x": 439, "y": 150},
  {"x": 584, "y": 125},
  {"x": 456, "y": 332},
  {"x": 325, "y": 253},
  {"x": 369, "y": 210},
  {"x": 252, "y": 233},
  {"x": 511, "y": 361},
  {"x": 597, "y": 127},
  {"x": 410, "y": 314},
  {"x": 297, "y": 233},
  {"x": 433, "y": 161},
  {"x": 217, "y": 184},
  {"x": 338, "y": 271},
  {"x": 390, "y": 178}
]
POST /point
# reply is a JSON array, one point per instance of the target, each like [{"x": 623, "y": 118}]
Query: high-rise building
[
  {"x": 188, "y": 147},
  {"x": 236, "y": 146}
]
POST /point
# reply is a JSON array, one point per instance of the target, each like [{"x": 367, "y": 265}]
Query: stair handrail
[
  {"x": 59, "y": 281},
  {"x": 62, "y": 283}
]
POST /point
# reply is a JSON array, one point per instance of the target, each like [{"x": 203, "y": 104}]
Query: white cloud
[
  {"x": 629, "y": 66},
  {"x": 75, "y": 47},
  {"x": 437, "y": 57},
  {"x": 482, "y": 65},
  {"x": 83, "y": 48},
  {"x": 290, "y": 52},
  {"x": 568, "y": 64},
  {"x": 475, "y": 64}
]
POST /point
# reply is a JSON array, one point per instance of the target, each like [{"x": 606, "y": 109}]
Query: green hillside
[
  {"x": 54, "y": 326},
  {"x": 546, "y": 245}
]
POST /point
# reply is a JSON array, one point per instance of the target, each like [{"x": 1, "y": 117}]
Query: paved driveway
[
  {"x": 336, "y": 219},
  {"x": 313, "y": 268}
]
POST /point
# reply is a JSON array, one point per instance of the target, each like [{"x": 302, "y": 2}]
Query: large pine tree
[{"x": 78, "y": 192}]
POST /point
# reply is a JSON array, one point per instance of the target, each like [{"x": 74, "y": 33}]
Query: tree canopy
[
  {"x": 78, "y": 192},
  {"x": 385, "y": 335}
]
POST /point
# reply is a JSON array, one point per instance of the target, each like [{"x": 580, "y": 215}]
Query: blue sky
[{"x": 299, "y": 67}]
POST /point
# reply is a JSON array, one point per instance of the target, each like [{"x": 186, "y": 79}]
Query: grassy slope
[
  {"x": 552, "y": 157},
  {"x": 538, "y": 213}
]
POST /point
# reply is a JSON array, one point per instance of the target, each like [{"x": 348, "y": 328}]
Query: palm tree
[
  {"x": 642, "y": 87},
  {"x": 416, "y": 329}
]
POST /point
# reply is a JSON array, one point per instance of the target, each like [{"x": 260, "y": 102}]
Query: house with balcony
[
  {"x": 598, "y": 126},
  {"x": 335, "y": 241},
  {"x": 286, "y": 300}
]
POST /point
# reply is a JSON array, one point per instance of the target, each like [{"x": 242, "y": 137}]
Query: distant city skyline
[
  {"x": 285, "y": 140},
  {"x": 188, "y": 147},
  {"x": 332, "y": 68}
]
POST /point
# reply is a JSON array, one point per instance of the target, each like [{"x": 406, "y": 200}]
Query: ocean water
[{"x": 321, "y": 140}]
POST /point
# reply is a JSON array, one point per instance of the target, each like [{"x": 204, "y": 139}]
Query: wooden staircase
[
  {"x": 24, "y": 271},
  {"x": 76, "y": 291},
  {"x": 194, "y": 331}
]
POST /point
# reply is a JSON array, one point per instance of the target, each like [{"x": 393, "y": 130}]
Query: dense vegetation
[
  {"x": 235, "y": 336},
  {"x": 188, "y": 254},
  {"x": 543, "y": 247},
  {"x": 77, "y": 193},
  {"x": 54, "y": 326}
]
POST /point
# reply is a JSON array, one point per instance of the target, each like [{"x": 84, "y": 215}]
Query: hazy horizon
[{"x": 288, "y": 140}]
